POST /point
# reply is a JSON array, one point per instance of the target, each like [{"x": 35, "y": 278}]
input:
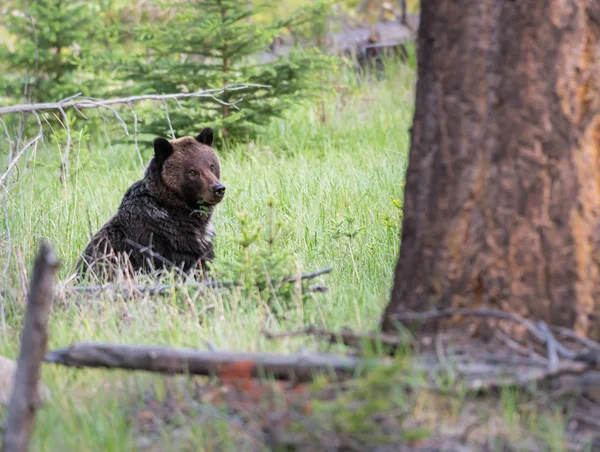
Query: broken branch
[
  {"x": 542, "y": 335},
  {"x": 83, "y": 102},
  {"x": 25, "y": 397},
  {"x": 345, "y": 336},
  {"x": 166, "y": 288},
  {"x": 193, "y": 362}
]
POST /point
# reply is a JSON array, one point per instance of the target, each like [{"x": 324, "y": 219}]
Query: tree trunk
[{"x": 502, "y": 200}]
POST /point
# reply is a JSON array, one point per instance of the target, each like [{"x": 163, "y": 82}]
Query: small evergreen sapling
[{"x": 214, "y": 43}]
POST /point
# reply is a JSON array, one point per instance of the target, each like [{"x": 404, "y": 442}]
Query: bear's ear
[
  {"x": 206, "y": 136},
  {"x": 162, "y": 150}
]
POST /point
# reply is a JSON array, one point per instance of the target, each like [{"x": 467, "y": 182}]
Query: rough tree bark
[{"x": 502, "y": 200}]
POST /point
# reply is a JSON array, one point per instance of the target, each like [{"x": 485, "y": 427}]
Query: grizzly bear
[{"x": 164, "y": 219}]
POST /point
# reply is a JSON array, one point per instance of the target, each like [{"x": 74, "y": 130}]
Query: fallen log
[
  {"x": 25, "y": 398},
  {"x": 490, "y": 372},
  {"x": 303, "y": 367}
]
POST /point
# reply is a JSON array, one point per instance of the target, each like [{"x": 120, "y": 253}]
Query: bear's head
[{"x": 190, "y": 167}]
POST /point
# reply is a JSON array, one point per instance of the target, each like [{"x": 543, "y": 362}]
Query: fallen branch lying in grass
[
  {"x": 487, "y": 373},
  {"x": 25, "y": 397},
  {"x": 130, "y": 290},
  {"x": 212, "y": 363}
]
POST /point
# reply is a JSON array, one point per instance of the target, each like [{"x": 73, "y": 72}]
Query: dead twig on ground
[
  {"x": 541, "y": 334},
  {"x": 311, "y": 275},
  {"x": 148, "y": 251},
  {"x": 129, "y": 290},
  {"x": 513, "y": 345},
  {"x": 345, "y": 336},
  {"x": 490, "y": 372},
  {"x": 25, "y": 397},
  {"x": 570, "y": 334}
]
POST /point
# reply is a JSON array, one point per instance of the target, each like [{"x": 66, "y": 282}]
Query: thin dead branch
[
  {"x": 10, "y": 141},
  {"x": 78, "y": 103},
  {"x": 311, "y": 275},
  {"x": 543, "y": 335},
  {"x": 25, "y": 397},
  {"x": 128, "y": 290},
  {"x": 570, "y": 334},
  {"x": 135, "y": 134},
  {"x": 84, "y": 102},
  {"x": 489, "y": 372},
  {"x": 167, "y": 360},
  {"x": 345, "y": 336},
  {"x": 148, "y": 251},
  {"x": 18, "y": 156}
]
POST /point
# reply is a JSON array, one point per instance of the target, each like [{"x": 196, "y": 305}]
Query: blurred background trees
[
  {"x": 53, "y": 49},
  {"x": 216, "y": 43}
]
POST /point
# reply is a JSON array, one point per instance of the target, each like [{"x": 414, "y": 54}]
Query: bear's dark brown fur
[{"x": 165, "y": 218}]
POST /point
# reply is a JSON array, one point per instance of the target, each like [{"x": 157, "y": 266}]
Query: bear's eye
[
  {"x": 193, "y": 173},
  {"x": 212, "y": 168}
]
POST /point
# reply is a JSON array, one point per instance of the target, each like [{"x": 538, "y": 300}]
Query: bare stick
[
  {"x": 87, "y": 103},
  {"x": 135, "y": 133},
  {"x": 168, "y": 119},
  {"x": 316, "y": 288},
  {"x": 306, "y": 275},
  {"x": 570, "y": 334},
  {"x": 68, "y": 147},
  {"x": 495, "y": 373},
  {"x": 402, "y": 5},
  {"x": 166, "y": 288},
  {"x": 100, "y": 103},
  {"x": 17, "y": 157},
  {"x": 188, "y": 361},
  {"x": 513, "y": 345},
  {"x": 147, "y": 250},
  {"x": 552, "y": 347},
  {"x": 40, "y": 128},
  {"x": 10, "y": 141},
  {"x": 25, "y": 397},
  {"x": 346, "y": 337},
  {"x": 6, "y": 267}
]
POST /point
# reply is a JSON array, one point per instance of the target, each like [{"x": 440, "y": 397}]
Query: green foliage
[
  {"x": 215, "y": 43},
  {"x": 51, "y": 43},
  {"x": 260, "y": 259},
  {"x": 55, "y": 49},
  {"x": 375, "y": 402}
]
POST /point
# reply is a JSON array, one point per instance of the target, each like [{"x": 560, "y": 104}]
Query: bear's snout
[{"x": 218, "y": 190}]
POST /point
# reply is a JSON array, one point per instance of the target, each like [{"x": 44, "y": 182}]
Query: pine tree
[
  {"x": 211, "y": 44},
  {"x": 48, "y": 39}
]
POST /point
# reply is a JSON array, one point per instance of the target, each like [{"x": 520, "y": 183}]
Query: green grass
[{"x": 335, "y": 186}]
